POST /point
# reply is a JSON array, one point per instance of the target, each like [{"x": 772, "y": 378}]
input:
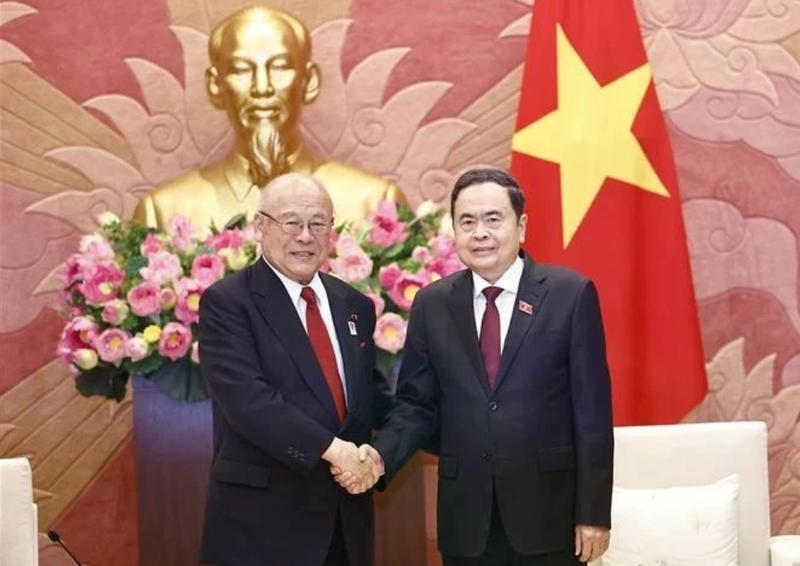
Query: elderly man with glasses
[{"x": 288, "y": 356}]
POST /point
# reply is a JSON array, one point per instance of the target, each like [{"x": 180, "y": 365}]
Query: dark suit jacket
[
  {"x": 542, "y": 438},
  {"x": 271, "y": 498}
]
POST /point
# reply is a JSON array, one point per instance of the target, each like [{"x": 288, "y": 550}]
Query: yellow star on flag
[{"x": 590, "y": 136}]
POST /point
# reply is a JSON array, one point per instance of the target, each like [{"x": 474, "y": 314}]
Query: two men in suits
[
  {"x": 505, "y": 372},
  {"x": 288, "y": 356}
]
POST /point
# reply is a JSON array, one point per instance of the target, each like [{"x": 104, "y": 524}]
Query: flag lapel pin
[{"x": 527, "y": 308}]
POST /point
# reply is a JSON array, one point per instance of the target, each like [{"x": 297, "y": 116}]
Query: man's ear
[
  {"x": 523, "y": 227},
  {"x": 213, "y": 88},
  {"x": 313, "y": 80}
]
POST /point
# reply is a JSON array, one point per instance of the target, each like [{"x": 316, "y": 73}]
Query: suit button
[
  {"x": 492, "y": 406},
  {"x": 487, "y": 456}
]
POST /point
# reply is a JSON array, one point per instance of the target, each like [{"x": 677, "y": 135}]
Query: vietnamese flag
[{"x": 592, "y": 154}]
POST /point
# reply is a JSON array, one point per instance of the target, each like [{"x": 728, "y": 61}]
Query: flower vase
[{"x": 173, "y": 445}]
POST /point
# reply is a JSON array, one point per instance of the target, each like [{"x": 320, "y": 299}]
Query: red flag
[{"x": 592, "y": 154}]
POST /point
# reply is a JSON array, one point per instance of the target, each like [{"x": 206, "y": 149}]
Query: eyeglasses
[{"x": 295, "y": 226}]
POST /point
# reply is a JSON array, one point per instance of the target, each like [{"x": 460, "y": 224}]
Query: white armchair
[
  {"x": 18, "y": 522},
  {"x": 699, "y": 454}
]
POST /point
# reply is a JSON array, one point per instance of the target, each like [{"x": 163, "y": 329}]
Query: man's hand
[
  {"x": 343, "y": 456},
  {"x": 354, "y": 483},
  {"x": 591, "y": 542}
]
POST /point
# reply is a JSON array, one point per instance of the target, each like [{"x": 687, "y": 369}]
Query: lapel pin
[
  {"x": 353, "y": 316},
  {"x": 352, "y": 326},
  {"x": 527, "y": 308}
]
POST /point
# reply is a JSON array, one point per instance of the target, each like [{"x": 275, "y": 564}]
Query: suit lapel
[
  {"x": 280, "y": 314},
  {"x": 348, "y": 344},
  {"x": 532, "y": 292},
  {"x": 462, "y": 310}
]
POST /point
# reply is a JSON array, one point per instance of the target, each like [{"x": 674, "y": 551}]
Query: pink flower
[
  {"x": 175, "y": 341},
  {"x": 162, "y": 267},
  {"x": 114, "y": 312},
  {"x": 145, "y": 299},
  {"x": 421, "y": 254},
  {"x": 445, "y": 260},
  {"x": 443, "y": 267},
  {"x": 405, "y": 289},
  {"x": 79, "y": 333},
  {"x": 250, "y": 234},
  {"x": 181, "y": 232},
  {"x": 152, "y": 244},
  {"x": 386, "y": 230},
  {"x": 351, "y": 264},
  {"x": 72, "y": 269},
  {"x": 102, "y": 283},
  {"x": 390, "y": 332},
  {"x": 388, "y": 275},
  {"x": 231, "y": 239},
  {"x": 380, "y": 304},
  {"x": 137, "y": 349},
  {"x": 169, "y": 298},
  {"x": 95, "y": 248},
  {"x": 207, "y": 269},
  {"x": 188, "y": 307},
  {"x": 442, "y": 246},
  {"x": 111, "y": 344}
]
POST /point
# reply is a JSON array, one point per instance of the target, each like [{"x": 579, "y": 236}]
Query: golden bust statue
[{"x": 261, "y": 74}]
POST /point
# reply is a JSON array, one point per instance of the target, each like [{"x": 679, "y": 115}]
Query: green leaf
[
  {"x": 146, "y": 366},
  {"x": 388, "y": 365},
  {"x": 395, "y": 251},
  {"x": 238, "y": 221},
  {"x": 106, "y": 381},
  {"x": 119, "y": 386},
  {"x": 180, "y": 380},
  {"x": 135, "y": 263}
]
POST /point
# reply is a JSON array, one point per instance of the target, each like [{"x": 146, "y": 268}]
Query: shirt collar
[
  {"x": 294, "y": 288},
  {"x": 509, "y": 281}
]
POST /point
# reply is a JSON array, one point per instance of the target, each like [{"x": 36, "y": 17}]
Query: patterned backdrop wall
[{"x": 103, "y": 99}]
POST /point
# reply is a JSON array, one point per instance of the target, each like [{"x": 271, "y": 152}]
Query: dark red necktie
[
  {"x": 323, "y": 348},
  {"x": 490, "y": 335}
]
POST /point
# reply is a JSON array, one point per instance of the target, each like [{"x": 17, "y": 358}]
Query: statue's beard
[{"x": 266, "y": 154}]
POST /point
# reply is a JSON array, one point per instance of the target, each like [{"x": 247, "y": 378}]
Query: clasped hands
[{"x": 355, "y": 468}]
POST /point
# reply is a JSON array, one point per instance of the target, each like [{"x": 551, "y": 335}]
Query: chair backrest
[
  {"x": 697, "y": 454},
  {"x": 18, "y": 529}
]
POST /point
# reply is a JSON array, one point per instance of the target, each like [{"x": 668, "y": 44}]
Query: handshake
[{"x": 355, "y": 468}]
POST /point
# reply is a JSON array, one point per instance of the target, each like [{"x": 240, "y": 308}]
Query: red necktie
[
  {"x": 490, "y": 335},
  {"x": 321, "y": 343}
]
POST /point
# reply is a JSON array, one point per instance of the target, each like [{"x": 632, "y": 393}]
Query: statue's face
[{"x": 261, "y": 78}]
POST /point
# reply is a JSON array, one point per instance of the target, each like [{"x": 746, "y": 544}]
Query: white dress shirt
[
  {"x": 509, "y": 283},
  {"x": 294, "y": 289}
]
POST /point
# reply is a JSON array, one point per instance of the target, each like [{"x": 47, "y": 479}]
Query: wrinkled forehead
[
  {"x": 258, "y": 40},
  {"x": 300, "y": 200}
]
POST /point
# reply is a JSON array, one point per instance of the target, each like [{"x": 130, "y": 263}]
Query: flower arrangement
[
  {"x": 131, "y": 298},
  {"x": 390, "y": 258},
  {"x": 131, "y": 295}
]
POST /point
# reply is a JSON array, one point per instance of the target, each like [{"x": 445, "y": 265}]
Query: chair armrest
[{"x": 785, "y": 550}]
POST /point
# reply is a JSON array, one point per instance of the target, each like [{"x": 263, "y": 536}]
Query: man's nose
[
  {"x": 480, "y": 232},
  {"x": 305, "y": 234},
  {"x": 262, "y": 85}
]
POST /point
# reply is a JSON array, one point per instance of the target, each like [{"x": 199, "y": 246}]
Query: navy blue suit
[
  {"x": 271, "y": 498},
  {"x": 540, "y": 444}
]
